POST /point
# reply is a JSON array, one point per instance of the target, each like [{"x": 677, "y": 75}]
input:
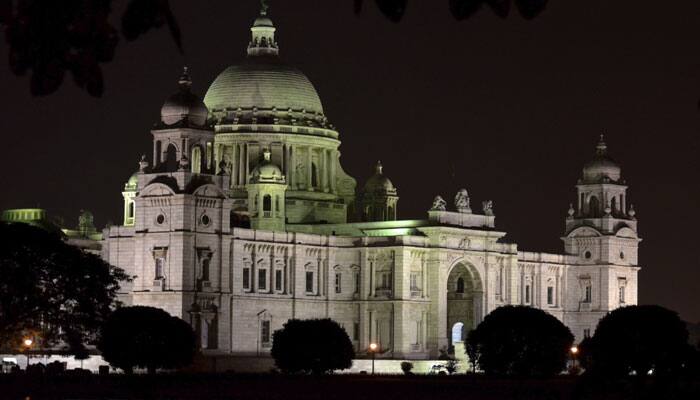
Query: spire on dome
[
  {"x": 185, "y": 80},
  {"x": 601, "y": 148},
  {"x": 378, "y": 168},
  {"x": 262, "y": 42}
]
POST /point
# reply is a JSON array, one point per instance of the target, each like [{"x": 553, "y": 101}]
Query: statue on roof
[
  {"x": 263, "y": 7},
  {"x": 462, "y": 201},
  {"x": 438, "y": 204},
  {"x": 487, "y": 207}
]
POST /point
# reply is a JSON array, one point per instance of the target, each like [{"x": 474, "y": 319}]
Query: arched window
[
  {"x": 267, "y": 203},
  {"x": 314, "y": 175},
  {"x": 460, "y": 285},
  {"x": 171, "y": 158},
  {"x": 593, "y": 207},
  {"x": 613, "y": 205},
  {"x": 159, "y": 149},
  {"x": 130, "y": 212},
  {"x": 196, "y": 160},
  {"x": 277, "y": 203}
]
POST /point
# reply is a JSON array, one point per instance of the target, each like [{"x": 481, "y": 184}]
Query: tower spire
[
  {"x": 185, "y": 80},
  {"x": 601, "y": 148},
  {"x": 263, "y": 7}
]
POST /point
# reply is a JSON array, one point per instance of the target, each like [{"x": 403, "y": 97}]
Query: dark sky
[{"x": 516, "y": 106}]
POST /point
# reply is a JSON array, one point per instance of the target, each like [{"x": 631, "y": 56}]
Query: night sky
[{"x": 509, "y": 109}]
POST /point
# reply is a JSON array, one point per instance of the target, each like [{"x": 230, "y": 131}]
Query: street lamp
[
  {"x": 27, "y": 344},
  {"x": 574, "y": 352},
  {"x": 373, "y": 349}
]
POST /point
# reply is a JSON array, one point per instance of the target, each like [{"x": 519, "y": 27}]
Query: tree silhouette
[
  {"x": 316, "y": 346},
  {"x": 146, "y": 337},
  {"x": 520, "y": 341},
  {"x": 50, "y": 290},
  {"x": 639, "y": 339}
]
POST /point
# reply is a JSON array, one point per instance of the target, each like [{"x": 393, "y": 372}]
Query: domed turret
[
  {"x": 379, "y": 183},
  {"x": 184, "y": 105},
  {"x": 379, "y": 197},
  {"x": 267, "y": 171},
  {"x": 601, "y": 167}
]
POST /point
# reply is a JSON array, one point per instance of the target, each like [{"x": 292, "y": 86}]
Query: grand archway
[{"x": 464, "y": 301}]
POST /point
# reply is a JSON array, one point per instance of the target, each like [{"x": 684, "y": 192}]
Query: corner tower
[{"x": 601, "y": 236}]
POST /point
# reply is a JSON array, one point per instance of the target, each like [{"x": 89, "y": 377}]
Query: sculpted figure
[
  {"x": 438, "y": 204},
  {"x": 462, "y": 201},
  {"x": 488, "y": 207}
]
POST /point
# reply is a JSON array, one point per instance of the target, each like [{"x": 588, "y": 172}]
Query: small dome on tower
[
  {"x": 379, "y": 182},
  {"x": 132, "y": 183},
  {"x": 184, "y": 105},
  {"x": 267, "y": 171},
  {"x": 601, "y": 167}
]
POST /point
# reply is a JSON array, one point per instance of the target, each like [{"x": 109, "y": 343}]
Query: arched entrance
[{"x": 464, "y": 301}]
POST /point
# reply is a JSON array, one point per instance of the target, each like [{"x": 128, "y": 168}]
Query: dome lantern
[
  {"x": 262, "y": 42},
  {"x": 601, "y": 167}
]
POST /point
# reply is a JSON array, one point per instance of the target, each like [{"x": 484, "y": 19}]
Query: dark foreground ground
[{"x": 272, "y": 387}]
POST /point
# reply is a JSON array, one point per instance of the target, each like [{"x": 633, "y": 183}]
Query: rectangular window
[
  {"x": 265, "y": 332},
  {"x": 338, "y": 283},
  {"x": 262, "y": 279},
  {"x": 588, "y": 294},
  {"x": 527, "y": 294},
  {"x": 414, "y": 281},
  {"x": 160, "y": 263},
  {"x": 309, "y": 282},
  {"x": 622, "y": 295},
  {"x": 278, "y": 280},
  {"x": 205, "y": 270},
  {"x": 356, "y": 331},
  {"x": 550, "y": 295},
  {"x": 357, "y": 283},
  {"x": 386, "y": 280},
  {"x": 246, "y": 278}
]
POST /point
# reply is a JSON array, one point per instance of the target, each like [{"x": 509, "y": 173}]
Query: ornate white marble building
[{"x": 244, "y": 218}]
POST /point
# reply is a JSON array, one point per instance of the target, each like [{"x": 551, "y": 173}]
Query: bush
[
  {"x": 639, "y": 339},
  {"x": 407, "y": 367},
  {"x": 315, "y": 346},
  {"x": 519, "y": 340},
  {"x": 146, "y": 337}
]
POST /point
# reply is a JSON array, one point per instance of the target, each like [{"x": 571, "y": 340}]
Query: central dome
[{"x": 262, "y": 82}]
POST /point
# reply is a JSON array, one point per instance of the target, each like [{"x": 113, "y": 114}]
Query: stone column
[
  {"x": 291, "y": 178},
  {"x": 234, "y": 168},
  {"x": 322, "y": 170},
  {"x": 247, "y": 164},
  {"x": 309, "y": 168}
]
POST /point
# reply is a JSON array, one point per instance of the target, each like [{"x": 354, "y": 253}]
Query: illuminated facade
[{"x": 244, "y": 218}]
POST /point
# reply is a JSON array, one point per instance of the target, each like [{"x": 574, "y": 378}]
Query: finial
[
  {"x": 185, "y": 77},
  {"x": 378, "y": 168},
  {"x": 266, "y": 154},
  {"x": 601, "y": 148},
  {"x": 631, "y": 211},
  {"x": 143, "y": 164},
  {"x": 263, "y": 7},
  {"x": 571, "y": 211}
]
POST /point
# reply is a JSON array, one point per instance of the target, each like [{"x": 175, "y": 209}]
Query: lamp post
[
  {"x": 574, "y": 352},
  {"x": 27, "y": 344},
  {"x": 373, "y": 349}
]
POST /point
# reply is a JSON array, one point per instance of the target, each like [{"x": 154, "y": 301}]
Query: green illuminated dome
[
  {"x": 132, "y": 183},
  {"x": 263, "y": 83},
  {"x": 263, "y": 88}
]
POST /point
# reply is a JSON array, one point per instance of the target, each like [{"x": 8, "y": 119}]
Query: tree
[
  {"x": 519, "y": 340},
  {"x": 146, "y": 337},
  {"x": 639, "y": 339},
  {"x": 316, "y": 346},
  {"x": 52, "y": 291}
]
